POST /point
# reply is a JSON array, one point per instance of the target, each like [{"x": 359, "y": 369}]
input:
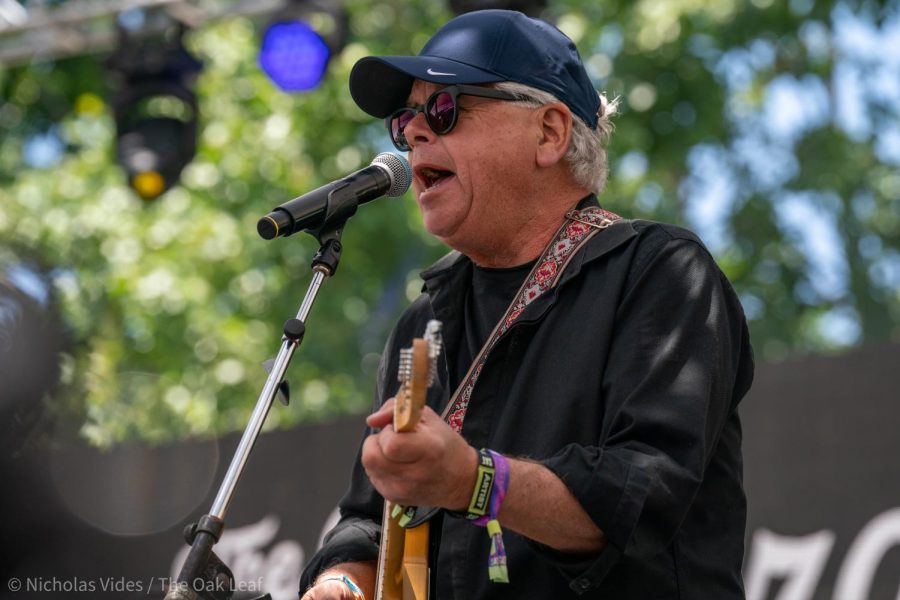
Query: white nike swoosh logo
[{"x": 431, "y": 72}]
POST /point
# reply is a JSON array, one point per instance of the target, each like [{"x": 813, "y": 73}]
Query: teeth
[{"x": 433, "y": 176}]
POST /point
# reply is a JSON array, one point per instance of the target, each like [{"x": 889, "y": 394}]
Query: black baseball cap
[{"x": 484, "y": 46}]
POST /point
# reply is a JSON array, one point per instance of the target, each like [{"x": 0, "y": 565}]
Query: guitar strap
[{"x": 579, "y": 227}]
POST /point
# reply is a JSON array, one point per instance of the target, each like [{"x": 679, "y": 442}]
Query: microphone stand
[{"x": 203, "y": 575}]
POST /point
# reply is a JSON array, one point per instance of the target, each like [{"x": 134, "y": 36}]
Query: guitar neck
[{"x": 403, "y": 556}]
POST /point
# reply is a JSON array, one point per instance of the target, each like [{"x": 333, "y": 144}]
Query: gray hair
[{"x": 586, "y": 155}]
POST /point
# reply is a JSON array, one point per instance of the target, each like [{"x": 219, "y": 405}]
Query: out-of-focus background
[{"x": 140, "y": 141}]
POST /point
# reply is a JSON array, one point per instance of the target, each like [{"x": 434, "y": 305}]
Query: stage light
[
  {"x": 156, "y": 112},
  {"x": 294, "y": 56},
  {"x": 299, "y": 42}
]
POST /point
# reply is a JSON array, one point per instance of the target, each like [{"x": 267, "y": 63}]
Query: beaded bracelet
[{"x": 357, "y": 593}]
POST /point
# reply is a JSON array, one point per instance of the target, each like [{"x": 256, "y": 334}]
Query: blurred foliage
[{"x": 738, "y": 122}]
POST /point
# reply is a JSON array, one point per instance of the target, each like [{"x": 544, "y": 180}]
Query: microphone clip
[{"x": 328, "y": 256}]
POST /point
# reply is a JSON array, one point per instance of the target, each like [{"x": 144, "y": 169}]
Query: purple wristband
[{"x": 498, "y": 493}]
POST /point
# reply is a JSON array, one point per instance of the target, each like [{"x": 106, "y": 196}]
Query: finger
[
  {"x": 382, "y": 416},
  {"x": 328, "y": 590},
  {"x": 372, "y": 457},
  {"x": 387, "y": 451},
  {"x": 401, "y": 448}
]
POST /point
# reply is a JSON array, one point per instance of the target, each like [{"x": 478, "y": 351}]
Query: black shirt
[
  {"x": 488, "y": 296},
  {"x": 624, "y": 381}
]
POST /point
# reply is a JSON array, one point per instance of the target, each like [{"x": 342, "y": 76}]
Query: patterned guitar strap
[{"x": 579, "y": 227}]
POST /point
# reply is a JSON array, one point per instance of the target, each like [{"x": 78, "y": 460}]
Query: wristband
[
  {"x": 491, "y": 484},
  {"x": 480, "y": 503},
  {"x": 357, "y": 593}
]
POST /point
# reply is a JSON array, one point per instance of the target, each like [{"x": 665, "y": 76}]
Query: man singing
[{"x": 592, "y": 364}]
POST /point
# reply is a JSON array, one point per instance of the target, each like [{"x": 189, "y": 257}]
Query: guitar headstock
[{"x": 418, "y": 366}]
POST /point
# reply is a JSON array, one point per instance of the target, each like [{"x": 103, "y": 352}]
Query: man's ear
[{"x": 555, "y": 122}]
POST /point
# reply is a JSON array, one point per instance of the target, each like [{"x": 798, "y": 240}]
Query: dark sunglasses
[{"x": 441, "y": 110}]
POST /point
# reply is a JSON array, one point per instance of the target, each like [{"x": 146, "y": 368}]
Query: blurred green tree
[{"x": 770, "y": 127}]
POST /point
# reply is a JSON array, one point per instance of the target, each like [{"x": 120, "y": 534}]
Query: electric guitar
[{"x": 403, "y": 558}]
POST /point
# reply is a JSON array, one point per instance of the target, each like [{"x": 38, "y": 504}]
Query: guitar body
[
  {"x": 416, "y": 578},
  {"x": 403, "y": 559}
]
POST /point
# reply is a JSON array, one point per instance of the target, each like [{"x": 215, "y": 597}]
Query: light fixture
[
  {"x": 299, "y": 41},
  {"x": 155, "y": 109}
]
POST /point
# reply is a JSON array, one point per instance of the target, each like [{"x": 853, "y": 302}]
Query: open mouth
[{"x": 433, "y": 177}]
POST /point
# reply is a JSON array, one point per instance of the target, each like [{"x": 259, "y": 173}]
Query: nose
[{"x": 417, "y": 131}]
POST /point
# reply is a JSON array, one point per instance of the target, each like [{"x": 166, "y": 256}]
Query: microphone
[{"x": 335, "y": 202}]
